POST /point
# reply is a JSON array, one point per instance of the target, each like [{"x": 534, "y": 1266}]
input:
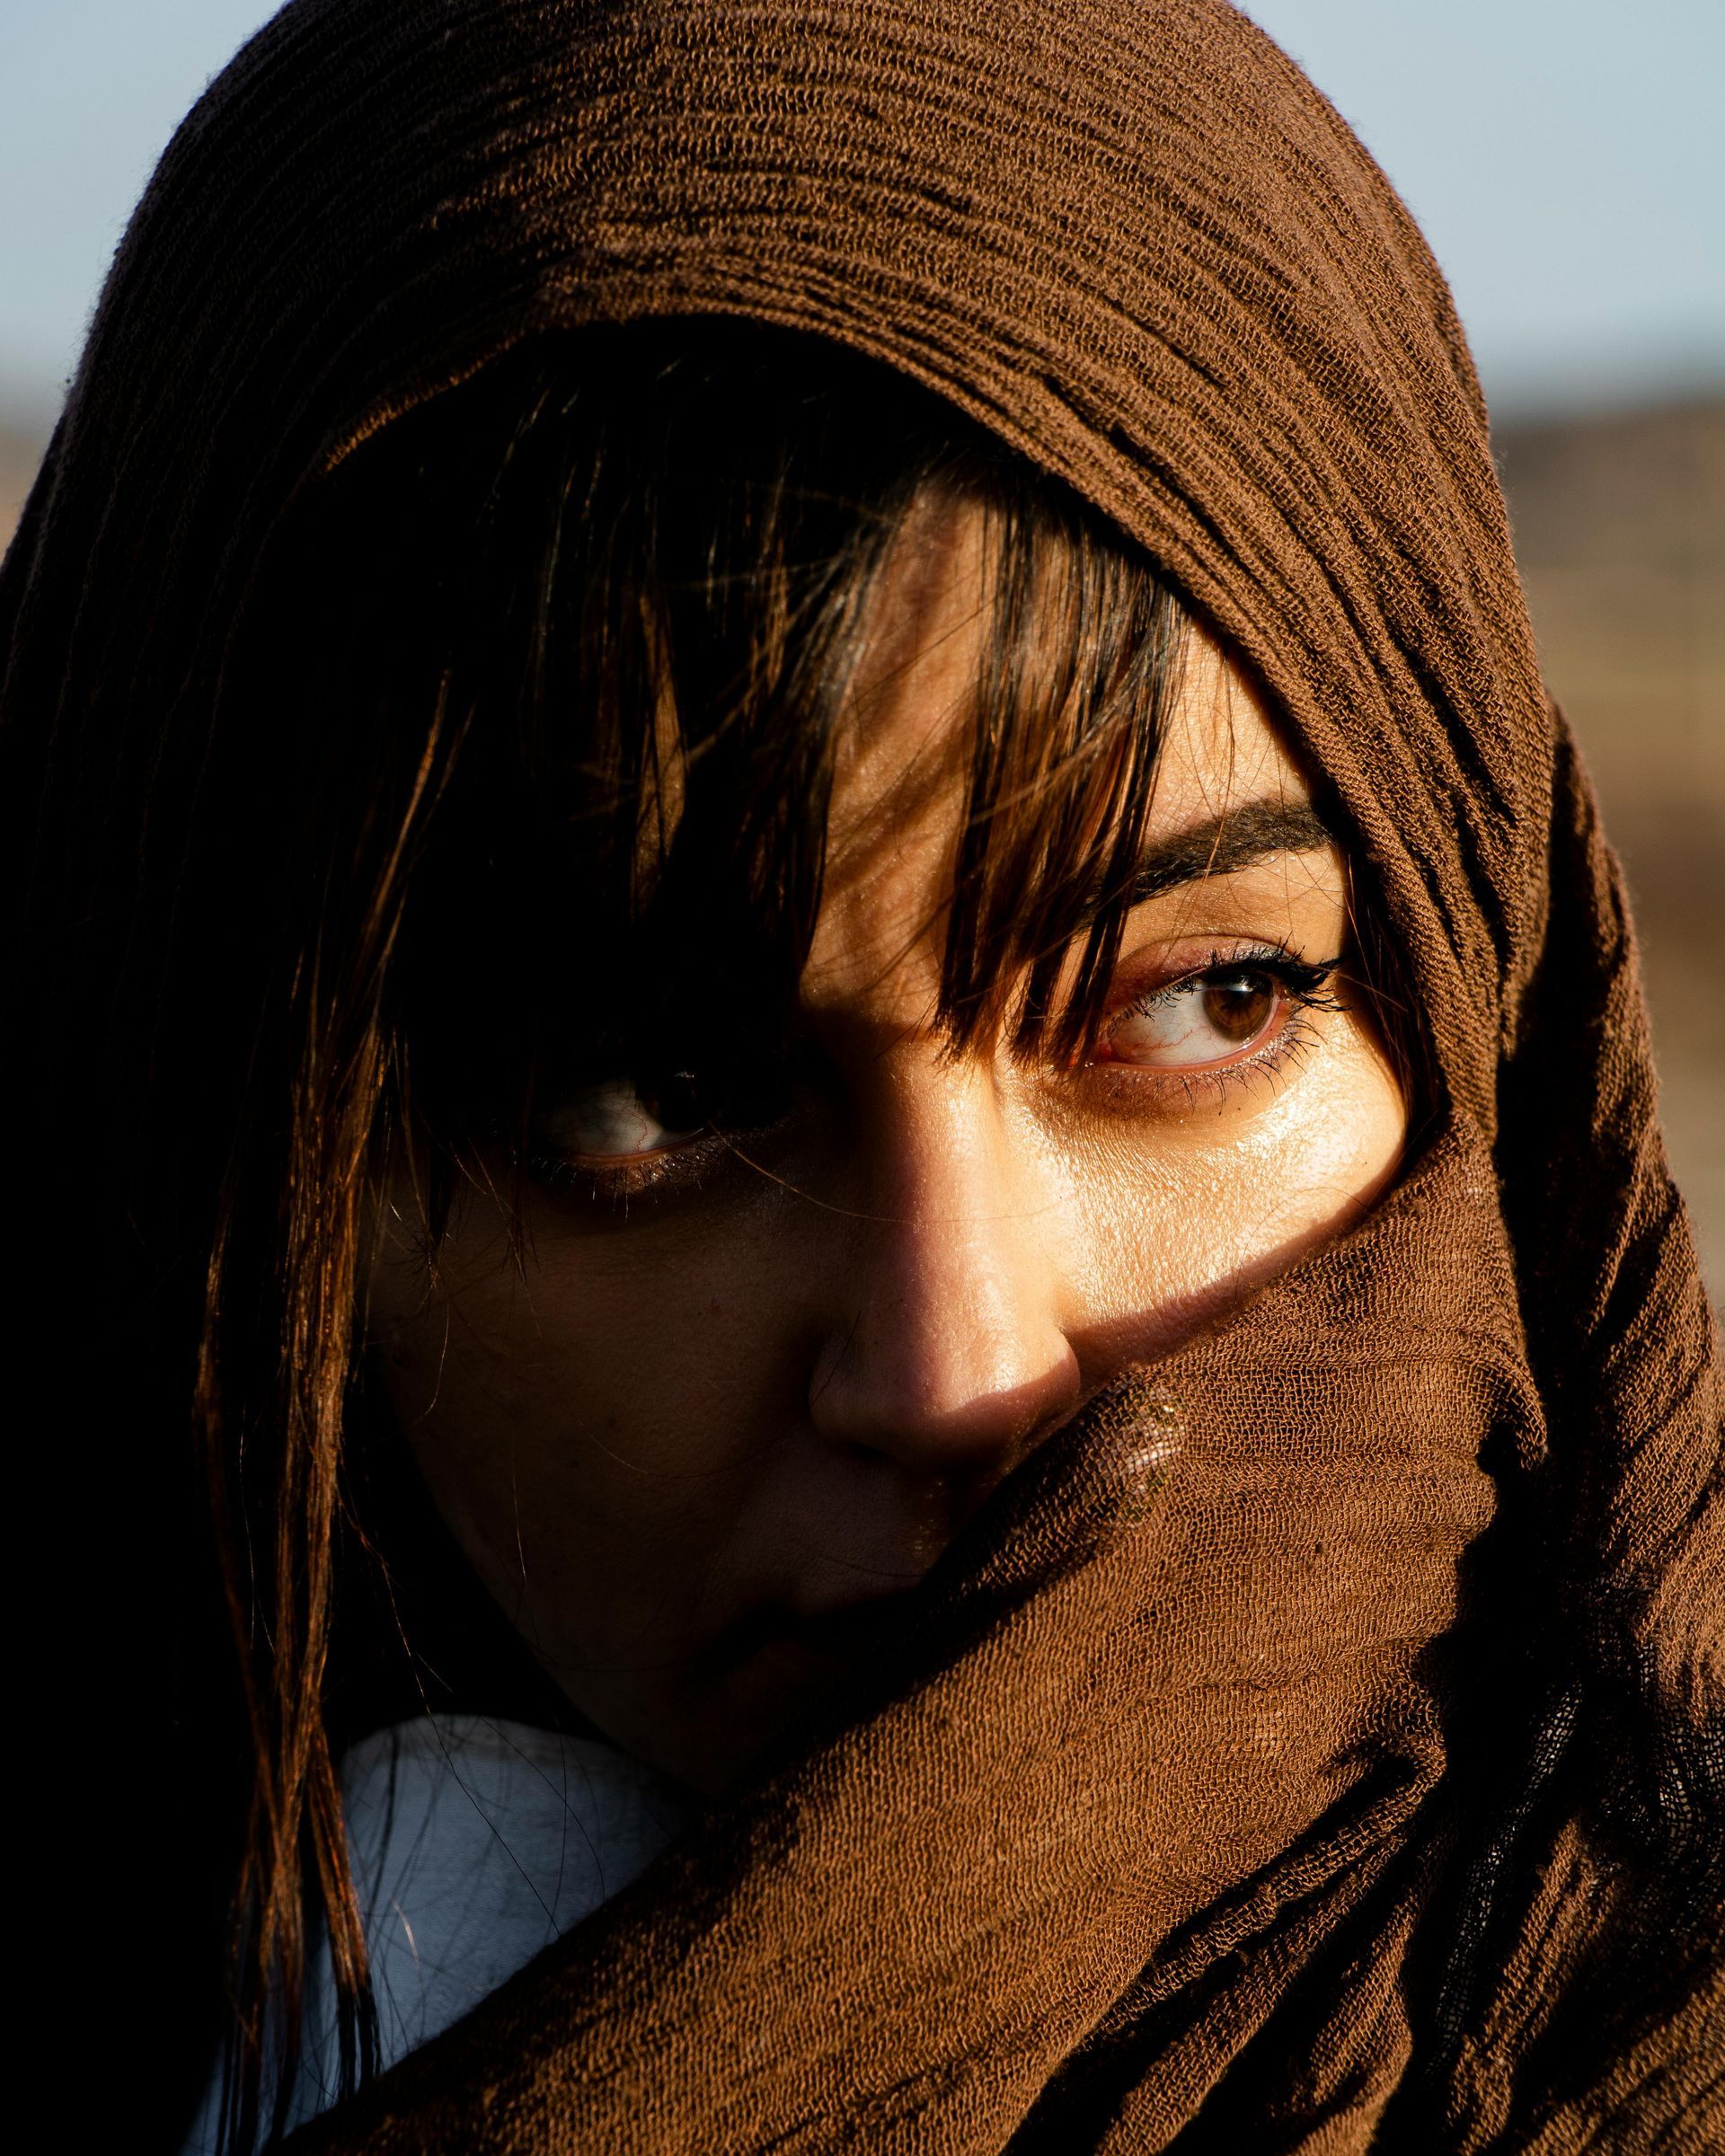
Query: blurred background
[{"x": 1566, "y": 160}]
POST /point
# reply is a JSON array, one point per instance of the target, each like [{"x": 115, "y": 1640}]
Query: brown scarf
[{"x": 1319, "y": 1745}]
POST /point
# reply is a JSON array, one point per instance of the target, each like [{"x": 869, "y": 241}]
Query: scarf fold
[
  {"x": 1154, "y": 1775},
  {"x": 1324, "y": 1745}
]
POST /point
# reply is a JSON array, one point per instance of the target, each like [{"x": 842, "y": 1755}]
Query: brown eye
[
  {"x": 1208, "y": 1017},
  {"x": 1241, "y": 1007},
  {"x": 659, "y": 1110},
  {"x": 614, "y": 1121}
]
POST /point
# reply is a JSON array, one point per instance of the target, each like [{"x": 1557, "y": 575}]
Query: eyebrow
[{"x": 1237, "y": 839}]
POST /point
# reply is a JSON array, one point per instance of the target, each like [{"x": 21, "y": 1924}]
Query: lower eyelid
[
  {"x": 1296, "y": 1035},
  {"x": 684, "y": 1164},
  {"x": 620, "y": 1174},
  {"x": 691, "y": 1161}
]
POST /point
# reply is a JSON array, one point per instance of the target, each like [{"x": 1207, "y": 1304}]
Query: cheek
[
  {"x": 591, "y": 1425},
  {"x": 1174, "y": 1224},
  {"x": 1322, "y": 1154}
]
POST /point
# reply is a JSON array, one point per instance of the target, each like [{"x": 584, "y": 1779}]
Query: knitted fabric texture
[{"x": 1317, "y": 1746}]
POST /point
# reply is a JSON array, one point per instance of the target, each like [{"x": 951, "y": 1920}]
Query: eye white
[
  {"x": 1179, "y": 1028},
  {"x": 609, "y": 1118}
]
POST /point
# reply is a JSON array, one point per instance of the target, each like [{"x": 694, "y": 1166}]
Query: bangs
[{"x": 648, "y": 560}]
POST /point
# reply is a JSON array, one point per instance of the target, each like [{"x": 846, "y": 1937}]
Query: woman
[{"x": 805, "y": 951}]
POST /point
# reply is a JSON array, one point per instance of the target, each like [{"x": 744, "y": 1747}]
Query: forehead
[
  {"x": 905, "y": 748},
  {"x": 1220, "y": 748},
  {"x": 903, "y": 734}
]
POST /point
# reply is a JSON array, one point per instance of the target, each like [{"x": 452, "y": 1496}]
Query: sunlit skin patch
[{"x": 758, "y": 1367}]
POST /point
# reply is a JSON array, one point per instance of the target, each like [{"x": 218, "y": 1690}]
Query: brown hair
[
  {"x": 1130, "y": 240},
  {"x": 544, "y": 683},
  {"x": 519, "y": 759}
]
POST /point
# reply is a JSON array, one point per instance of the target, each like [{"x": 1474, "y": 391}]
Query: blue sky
[{"x": 1566, "y": 157}]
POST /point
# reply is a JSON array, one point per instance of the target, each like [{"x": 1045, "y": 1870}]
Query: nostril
[
  {"x": 958, "y": 1453},
  {"x": 930, "y": 1511},
  {"x": 965, "y": 1498}
]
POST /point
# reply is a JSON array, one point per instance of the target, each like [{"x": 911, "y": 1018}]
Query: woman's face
[{"x": 743, "y": 1388}]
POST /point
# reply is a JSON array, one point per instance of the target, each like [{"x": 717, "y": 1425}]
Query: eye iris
[
  {"x": 671, "y": 1100},
  {"x": 1240, "y": 1006}
]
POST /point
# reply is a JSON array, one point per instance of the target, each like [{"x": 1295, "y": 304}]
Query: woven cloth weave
[{"x": 1319, "y": 1747}]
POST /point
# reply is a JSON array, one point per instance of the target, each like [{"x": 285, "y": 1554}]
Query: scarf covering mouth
[{"x": 1320, "y": 1749}]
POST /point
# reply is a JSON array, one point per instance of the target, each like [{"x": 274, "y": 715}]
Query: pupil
[
  {"x": 669, "y": 1098},
  {"x": 1241, "y": 1007}
]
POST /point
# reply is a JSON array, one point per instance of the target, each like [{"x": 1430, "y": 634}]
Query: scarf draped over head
[{"x": 1318, "y": 1745}]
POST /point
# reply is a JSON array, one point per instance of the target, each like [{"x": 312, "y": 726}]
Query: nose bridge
[{"x": 946, "y": 1352}]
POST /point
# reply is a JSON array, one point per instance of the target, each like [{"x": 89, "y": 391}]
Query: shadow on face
[{"x": 753, "y": 1376}]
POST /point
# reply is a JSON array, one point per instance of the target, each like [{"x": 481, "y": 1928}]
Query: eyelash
[
  {"x": 612, "y": 1185},
  {"x": 1301, "y": 983}
]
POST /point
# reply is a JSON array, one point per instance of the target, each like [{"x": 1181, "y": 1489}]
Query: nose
[{"x": 944, "y": 1354}]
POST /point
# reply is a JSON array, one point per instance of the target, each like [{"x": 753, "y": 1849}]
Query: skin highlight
[{"x": 712, "y": 1418}]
